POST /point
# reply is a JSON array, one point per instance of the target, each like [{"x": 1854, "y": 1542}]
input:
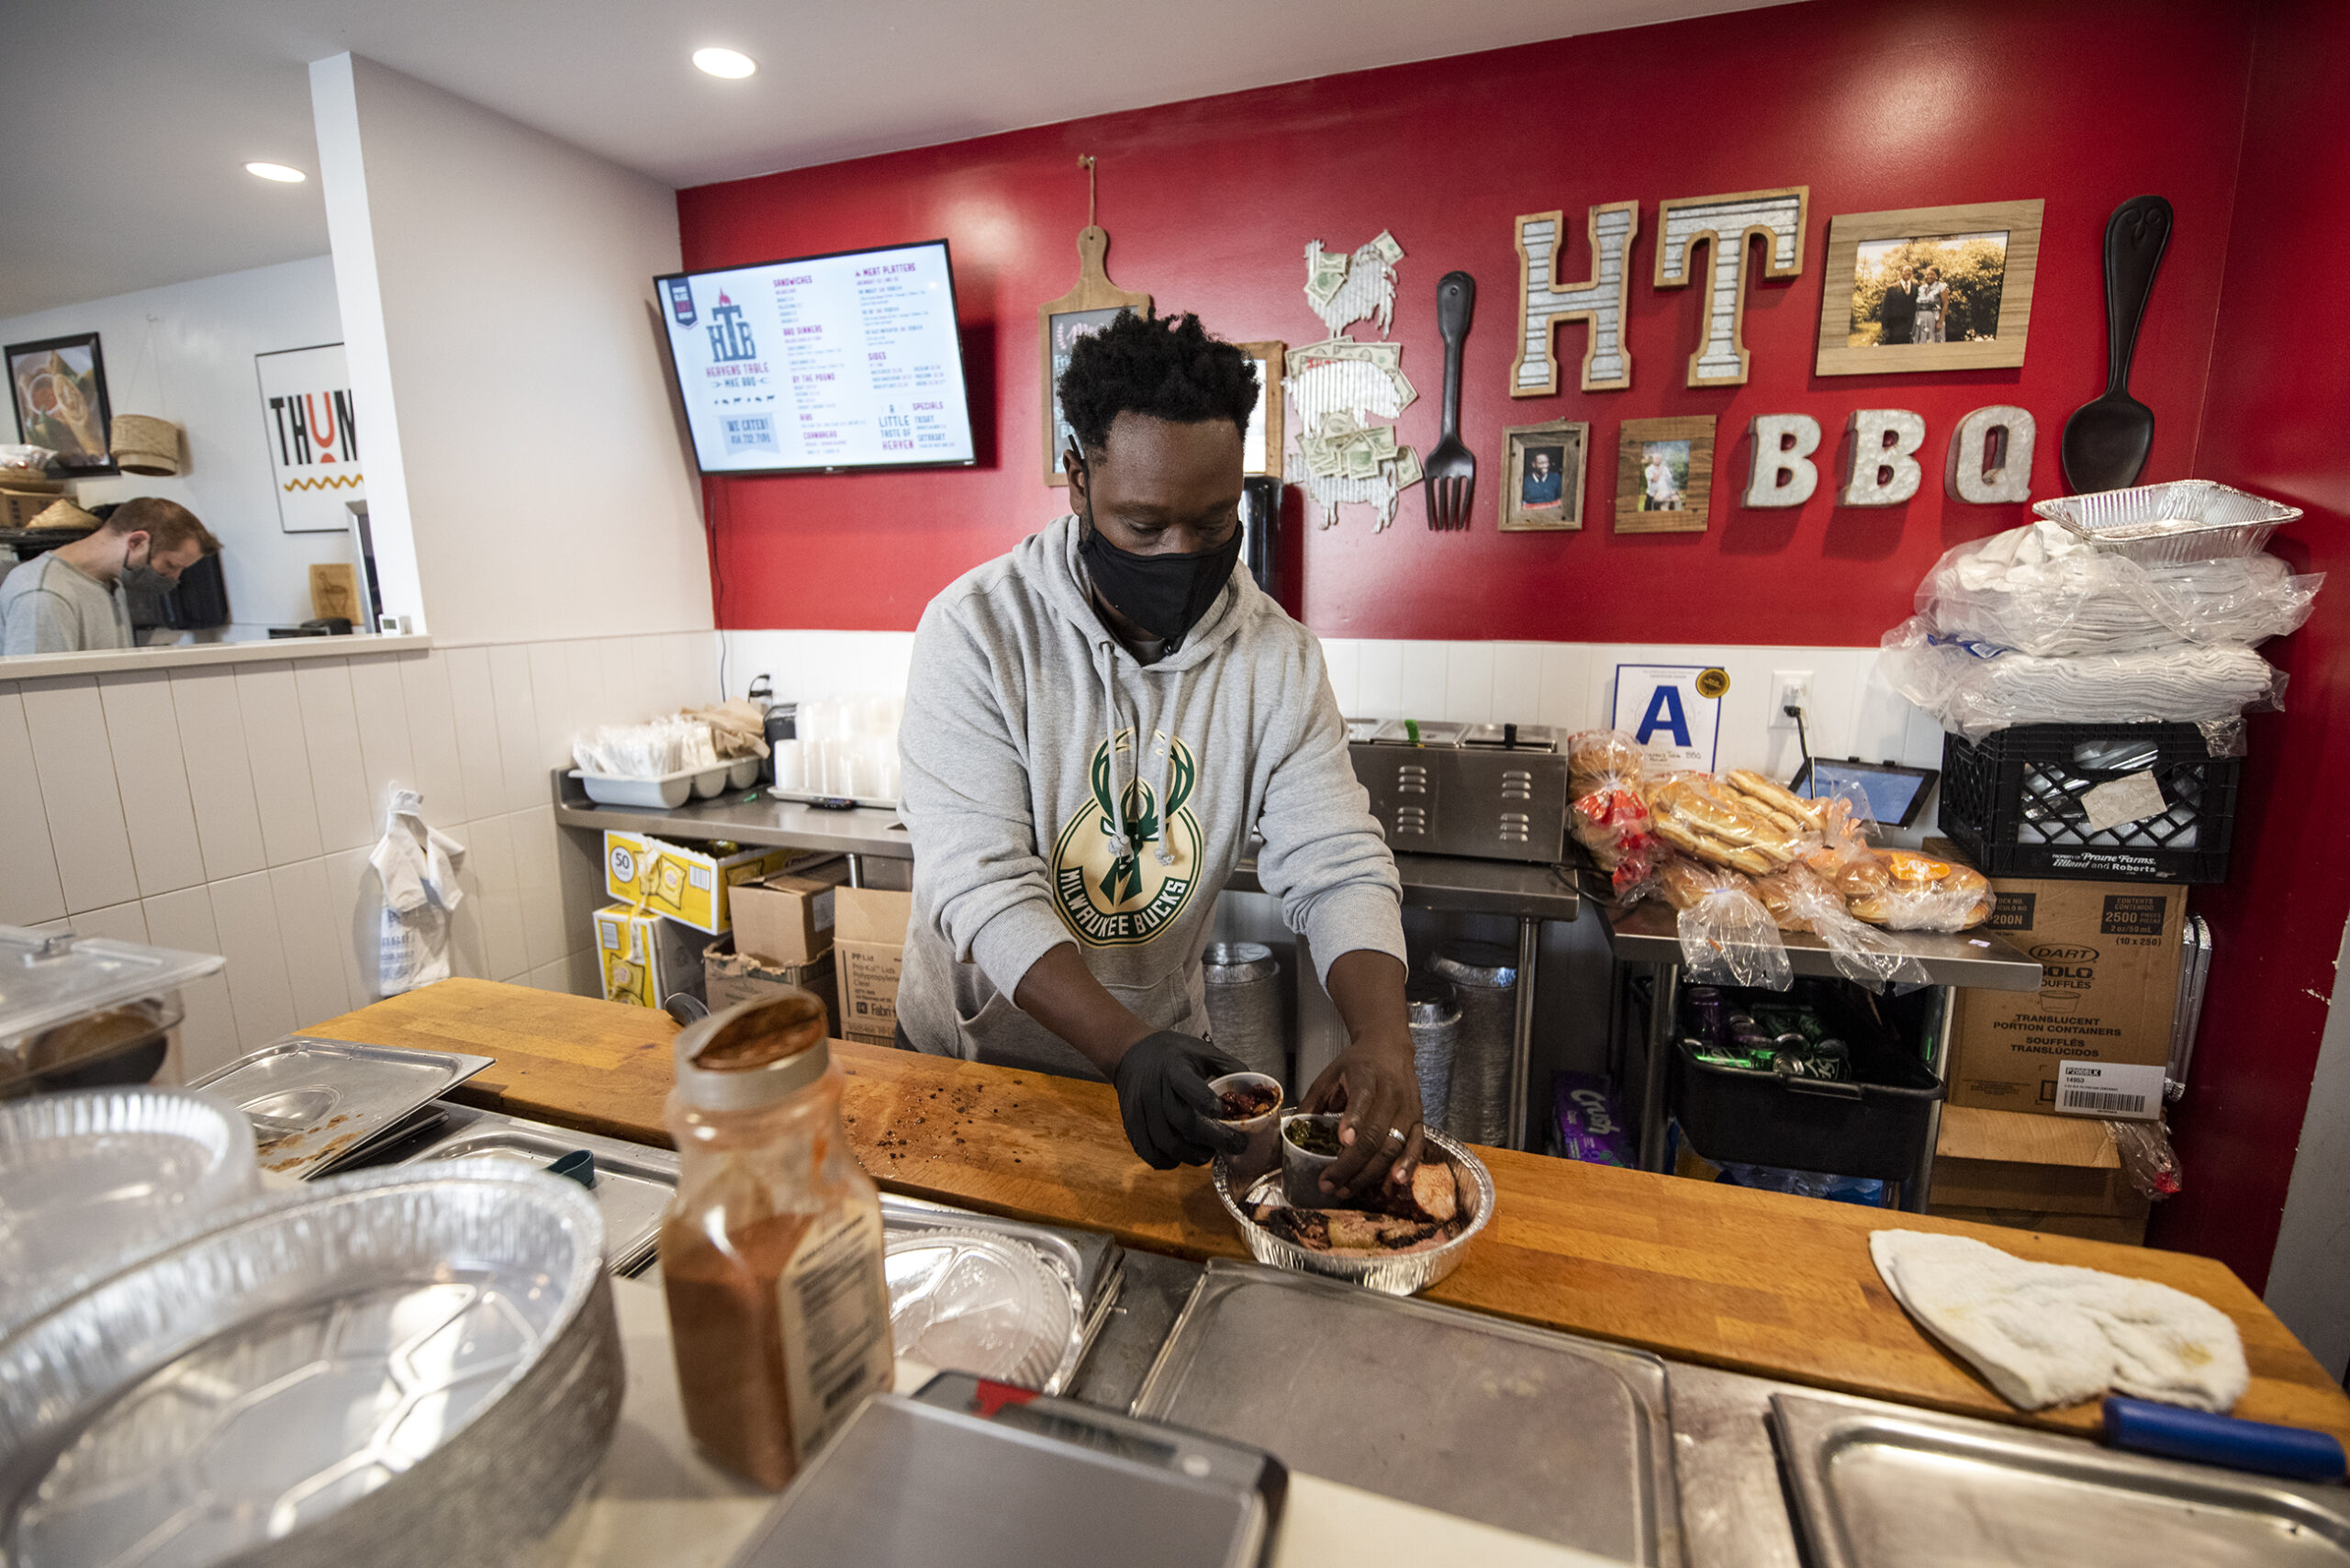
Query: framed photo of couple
[
  {"x": 1928, "y": 288},
  {"x": 1664, "y": 474},
  {"x": 1542, "y": 488}
]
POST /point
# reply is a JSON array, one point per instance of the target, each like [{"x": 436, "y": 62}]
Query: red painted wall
[
  {"x": 1874, "y": 103},
  {"x": 2275, "y": 421}
]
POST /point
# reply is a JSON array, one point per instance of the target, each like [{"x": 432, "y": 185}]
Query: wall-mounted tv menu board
[{"x": 824, "y": 363}]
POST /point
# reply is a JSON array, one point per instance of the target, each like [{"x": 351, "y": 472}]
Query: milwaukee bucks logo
[{"x": 1110, "y": 899}]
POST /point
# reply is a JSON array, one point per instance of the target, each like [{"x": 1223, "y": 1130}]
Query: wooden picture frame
[
  {"x": 1567, "y": 445},
  {"x": 1685, "y": 489},
  {"x": 1876, "y": 239},
  {"x": 1084, "y": 310},
  {"x": 1262, "y": 444},
  {"x": 58, "y": 387}
]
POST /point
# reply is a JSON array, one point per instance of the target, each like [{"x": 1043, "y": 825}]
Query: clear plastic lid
[
  {"x": 973, "y": 1302},
  {"x": 46, "y": 981}
]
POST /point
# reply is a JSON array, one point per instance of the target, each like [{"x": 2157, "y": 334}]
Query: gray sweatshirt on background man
[
  {"x": 1037, "y": 820},
  {"x": 48, "y": 607}
]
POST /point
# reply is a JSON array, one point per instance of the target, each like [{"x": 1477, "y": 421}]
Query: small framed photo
[
  {"x": 58, "y": 388},
  {"x": 1928, "y": 288},
  {"x": 1542, "y": 487},
  {"x": 1262, "y": 445},
  {"x": 1664, "y": 474}
]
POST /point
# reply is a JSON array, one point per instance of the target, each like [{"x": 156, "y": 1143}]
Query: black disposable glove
[{"x": 1165, "y": 1100}]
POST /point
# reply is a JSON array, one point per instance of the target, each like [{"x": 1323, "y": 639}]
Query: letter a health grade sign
[{"x": 1673, "y": 710}]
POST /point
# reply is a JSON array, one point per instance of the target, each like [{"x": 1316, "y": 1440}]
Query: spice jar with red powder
[{"x": 771, "y": 1249}]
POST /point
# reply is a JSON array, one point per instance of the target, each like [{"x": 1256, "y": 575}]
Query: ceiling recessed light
[
  {"x": 277, "y": 172},
  {"x": 728, "y": 62}
]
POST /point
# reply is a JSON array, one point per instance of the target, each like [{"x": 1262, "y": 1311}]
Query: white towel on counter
[{"x": 2048, "y": 1334}]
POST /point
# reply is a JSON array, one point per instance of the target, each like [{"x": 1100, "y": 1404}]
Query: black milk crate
[{"x": 2012, "y": 801}]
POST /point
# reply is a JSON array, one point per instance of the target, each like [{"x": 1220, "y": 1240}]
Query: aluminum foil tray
[
  {"x": 1562, "y": 1438},
  {"x": 1394, "y": 1273},
  {"x": 1883, "y": 1486},
  {"x": 394, "y": 1367},
  {"x": 315, "y": 1103},
  {"x": 2183, "y": 519},
  {"x": 979, "y": 1302}
]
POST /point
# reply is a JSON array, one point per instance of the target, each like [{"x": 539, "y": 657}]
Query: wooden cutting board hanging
[{"x": 1093, "y": 305}]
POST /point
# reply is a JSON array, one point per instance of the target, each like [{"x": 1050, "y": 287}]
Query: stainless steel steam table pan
[{"x": 317, "y": 1103}]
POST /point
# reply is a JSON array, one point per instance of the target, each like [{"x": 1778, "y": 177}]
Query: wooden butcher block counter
[{"x": 1757, "y": 1283}]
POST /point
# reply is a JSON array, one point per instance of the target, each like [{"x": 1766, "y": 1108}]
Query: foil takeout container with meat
[{"x": 1394, "y": 1273}]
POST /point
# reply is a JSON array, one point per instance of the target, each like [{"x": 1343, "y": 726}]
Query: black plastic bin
[
  {"x": 1874, "y": 1125},
  {"x": 2012, "y": 803}
]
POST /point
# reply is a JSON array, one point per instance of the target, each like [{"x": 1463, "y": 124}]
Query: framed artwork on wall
[
  {"x": 1664, "y": 474},
  {"x": 1084, "y": 310},
  {"x": 58, "y": 388},
  {"x": 1928, "y": 288},
  {"x": 1543, "y": 477},
  {"x": 1261, "y": 444}
]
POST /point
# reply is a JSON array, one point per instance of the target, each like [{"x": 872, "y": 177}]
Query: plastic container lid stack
[
  {"x": 1244, "y": 996},
  {"x": 1484, "y": 976}
]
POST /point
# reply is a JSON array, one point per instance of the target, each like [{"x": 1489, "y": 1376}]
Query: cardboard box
[
  {"x": 2128, "y": 1230},
  {"x": 686, "y": 884},
  {"x": 788, "y": 919},
  {"x": 730, "y": 978},
  {"x": 2094, "y": 1039},
  {"x": 868, "y": 945},
  {"x": 646, "y": 960},
  {"x": 2060, "y": 1175}
]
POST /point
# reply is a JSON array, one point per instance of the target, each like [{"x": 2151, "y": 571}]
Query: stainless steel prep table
[
  {"x": 1646, "y": 936},
  {"x": 1529, "y": 894}
]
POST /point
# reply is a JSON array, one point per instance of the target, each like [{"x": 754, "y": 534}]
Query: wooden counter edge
[{"x": 605, "y": 1067}]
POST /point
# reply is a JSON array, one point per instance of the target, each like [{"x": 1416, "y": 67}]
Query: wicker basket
[
  {"x": 144, "y": 445},
  {"x": 63, "y": 515}
]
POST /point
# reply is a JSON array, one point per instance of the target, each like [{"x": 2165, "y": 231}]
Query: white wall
[
  {"x": 229, "y": 809},
  {"x": 546, "y": 487},
  {"x": 199, "y": 374}
]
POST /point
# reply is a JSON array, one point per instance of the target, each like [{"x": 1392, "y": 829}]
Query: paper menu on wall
[{"x": 831, "y": 361}]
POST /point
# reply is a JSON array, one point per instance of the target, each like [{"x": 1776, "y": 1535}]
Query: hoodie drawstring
[
  {"x": 1167, "y": 775},
  {"x": 1106, "y": 666}
]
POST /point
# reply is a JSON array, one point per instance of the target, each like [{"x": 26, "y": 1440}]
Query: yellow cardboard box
[
  {"x": 687, "y": 884},
  {"x": 646, "y": 960},
  {"x": 868, "y": 945}
]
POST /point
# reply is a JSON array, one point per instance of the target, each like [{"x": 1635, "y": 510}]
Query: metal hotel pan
[
  {"x": 390, "y": 1367},
  {"x": 633, "y": 1182},
  {"x": 1881, "y": 1486},
  {"x": 316, "y": 1102}
]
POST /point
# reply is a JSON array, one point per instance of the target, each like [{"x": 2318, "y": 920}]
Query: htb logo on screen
[
  {"x": 681, "y": 302},
  {"x": 729, "y": 334}
]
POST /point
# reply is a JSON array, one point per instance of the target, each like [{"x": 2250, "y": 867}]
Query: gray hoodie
[{"x": 1019, "y": 735}]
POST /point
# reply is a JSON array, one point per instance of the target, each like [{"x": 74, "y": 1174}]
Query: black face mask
[{"x": 1163, "y": 594}]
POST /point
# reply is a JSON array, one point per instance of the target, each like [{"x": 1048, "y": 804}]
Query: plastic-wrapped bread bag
[
  {"x": 1727, "y": 937},
  {"x": 1741, "y": 821},
  {"x": 1607, "y": 814},
  {"x": 1907, "y": 892},
  {"x": 1799, "y": 898}
]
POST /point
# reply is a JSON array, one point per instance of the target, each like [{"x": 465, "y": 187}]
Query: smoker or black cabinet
[{"x": 1260, "y": 520}]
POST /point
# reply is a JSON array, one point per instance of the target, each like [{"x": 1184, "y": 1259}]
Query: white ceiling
[{"x": 125, "y": 124}]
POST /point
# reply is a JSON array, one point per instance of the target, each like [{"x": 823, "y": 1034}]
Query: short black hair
[{"x": 1169, "y": 369}]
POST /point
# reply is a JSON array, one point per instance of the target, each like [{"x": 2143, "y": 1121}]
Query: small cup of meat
[
  {"x": 1252, "y": 1102},
  {"x": 1309, "y": 1143}
]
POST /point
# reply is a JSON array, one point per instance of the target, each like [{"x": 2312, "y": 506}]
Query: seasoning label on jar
[{"x": 835, "y": 1323}]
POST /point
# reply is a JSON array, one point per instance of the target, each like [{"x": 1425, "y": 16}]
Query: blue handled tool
[{"x": 2176, "y": 1432}]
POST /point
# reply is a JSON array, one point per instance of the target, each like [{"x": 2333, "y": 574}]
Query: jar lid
[
  {"x": 754, "y": 1054},
  {"x": 1231, "y": 963},
  {"x": 1428, "y": 1000},
  {"x": 1485, "y": 963}
]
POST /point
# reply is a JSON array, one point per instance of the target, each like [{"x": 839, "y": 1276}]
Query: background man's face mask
[{"x": 143, "y": 577}]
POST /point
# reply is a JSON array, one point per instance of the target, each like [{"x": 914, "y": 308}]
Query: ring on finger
[{"x": 1397, "y": 1137}]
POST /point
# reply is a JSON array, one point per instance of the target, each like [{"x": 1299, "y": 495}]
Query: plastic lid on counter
[
  {"x": 50, "y": 981},
  {"x": 978, "y": 1302}
]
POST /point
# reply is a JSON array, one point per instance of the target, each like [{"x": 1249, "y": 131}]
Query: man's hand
[
  {"x": 1372, "y": 1083},
  {"x": 1164, "y": 1098}
]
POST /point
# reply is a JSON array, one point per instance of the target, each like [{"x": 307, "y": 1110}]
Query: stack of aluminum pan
[{"x": 394, "y": 1367}]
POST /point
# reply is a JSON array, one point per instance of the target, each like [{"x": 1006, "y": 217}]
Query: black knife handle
[{"x": 2135, "y": 238}]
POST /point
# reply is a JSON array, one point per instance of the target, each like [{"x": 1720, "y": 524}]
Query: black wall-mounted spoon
[{"x": 2107, "y": 439}]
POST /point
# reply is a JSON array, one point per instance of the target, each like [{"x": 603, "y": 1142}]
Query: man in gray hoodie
[{"x": 1094, "y": 724}]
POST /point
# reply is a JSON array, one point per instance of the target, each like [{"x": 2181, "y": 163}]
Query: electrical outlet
[{"x": 1789, "y": 686}]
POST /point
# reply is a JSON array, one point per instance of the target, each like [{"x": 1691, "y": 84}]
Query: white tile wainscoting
[{"x": 230, "y": 809}]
